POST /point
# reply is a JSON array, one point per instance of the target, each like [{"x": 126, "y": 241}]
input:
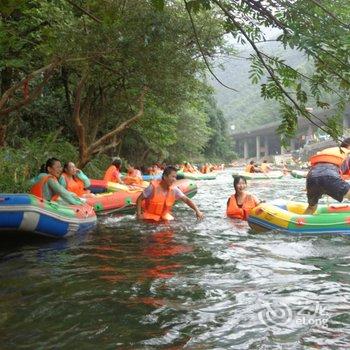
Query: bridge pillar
[
  {"x": 292, "y": 144},
  {"x": 310, "y": 133},
  {"x": 245, "y": 149},
  {"x": 266, "y": 146},
  {"x": 258, "y": 147},
  {"x": 283, "y": 150},
  {"x": 346, "y": 123}
]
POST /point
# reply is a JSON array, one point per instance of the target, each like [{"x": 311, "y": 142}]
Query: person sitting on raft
[
  {"x": 241, "y": 202},
  {"x": 187, "y": 168},
  {"x": 133, "y": 176},
  {"x": 112, "y": 174},
  {"x": 74, "y": 180},
  {"x": 158, "y": 198},
  {"x": 46, "y": 185},
  {"x": 325, "y": 175},
  {"x": 265, "y": 167},
  {"x": 250, "y": 168}
]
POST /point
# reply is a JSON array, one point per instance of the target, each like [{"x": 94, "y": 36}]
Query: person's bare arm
[
  {"x": 139, "y": 206},
  {"x": 193, "y": 206}
]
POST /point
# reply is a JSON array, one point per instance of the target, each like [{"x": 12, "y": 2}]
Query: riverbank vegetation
[{"x": 86, "y": 80}]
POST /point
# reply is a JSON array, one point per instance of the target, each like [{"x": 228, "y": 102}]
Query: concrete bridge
[{"x": 264, "y": 141}]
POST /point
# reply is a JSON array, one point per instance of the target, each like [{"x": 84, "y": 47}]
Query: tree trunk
[
  {"x": 145, "y": 155},
  {"x": 86, "y": 152},
  {"x": 6, "y": 79},
  {"x": 3, "y": 128}
]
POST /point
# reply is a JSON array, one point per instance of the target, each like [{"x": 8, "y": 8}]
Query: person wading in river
[
  {"x": 158, "y": 198},
  {"x": 325, "y": 175}
]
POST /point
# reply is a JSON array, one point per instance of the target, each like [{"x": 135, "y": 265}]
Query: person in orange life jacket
[
  {"x": 265, "y": 167},
  {"x": 46, "y": 185},
  {"x": 345, "y": 168},
  {"x": 285, "y": 170},
  {"x": 133, "y": 176},
  {"x": 324, "y": 176},
  {"x": 241, "y": 202},
  {"x": 113, "y": 172},
  {"x": 188, "y": 168},
  {"x": 250, "y": 168},
  {"x": 74, "y": 180},
  {"x": 159, "y": 197}
]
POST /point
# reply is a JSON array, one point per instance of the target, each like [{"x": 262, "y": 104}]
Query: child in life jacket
[
  {"x": 241, "y": 202},
  {"x": 112, "y": 174}
]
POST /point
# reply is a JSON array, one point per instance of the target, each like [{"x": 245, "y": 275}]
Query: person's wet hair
[
  {"x": 50, "y": 163},
  {"x": 65, "y": 166},
  {"x": 168, "y": 169},
  {"x": 117, "y": 162},
  {"x": 42, "y": 168}
]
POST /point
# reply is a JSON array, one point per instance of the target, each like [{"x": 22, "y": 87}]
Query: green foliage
[
  {"x": 192, "y": 134},
  {"x": 19, "y": 164},
  {"x": 219, "y": 146},
  {"x": 158, "y": 4},
  {"x": 317, "y": 30}
]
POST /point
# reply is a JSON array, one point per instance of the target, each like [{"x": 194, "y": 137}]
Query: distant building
[{"x": 263, "y": 141}]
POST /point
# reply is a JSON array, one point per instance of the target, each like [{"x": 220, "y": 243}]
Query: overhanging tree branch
[
  {"x": 123, "y": 126},
  {"x": 89, "y": 14},
  {"x": 79, "y": 126},
  {"x": 317, "y": 3},
  {"x": 302, "y": 111},
  {"x": 48, "y": 72},
  {"x": 257, "y": 6},
  {"x": 201, "y": 49}
]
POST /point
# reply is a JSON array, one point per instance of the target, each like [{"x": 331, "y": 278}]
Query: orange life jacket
[
  {"x": 249, "y": 168},
  {"x": 188, "y": 169},
  {"x": 234, "y": 211},
  {"x": 74, "y": 184},
  {"x": 38, "y": 188},
  {"x": 265, "y": 167},
  {"x": 331, "y": 155},
  {"x": 110, "y": 174},
  {"x": 133, "y": 178},
  {"x": 159, "y": 205}
]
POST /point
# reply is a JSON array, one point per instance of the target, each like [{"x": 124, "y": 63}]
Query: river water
[{"x": 210, "y": 284}]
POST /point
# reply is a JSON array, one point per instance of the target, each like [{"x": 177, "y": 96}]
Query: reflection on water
[{"x": 211, "y": 284}]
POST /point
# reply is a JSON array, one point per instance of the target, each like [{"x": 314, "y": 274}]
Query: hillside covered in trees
[{"x": 246, "y": 108}]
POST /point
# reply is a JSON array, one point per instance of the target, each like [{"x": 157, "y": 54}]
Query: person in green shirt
[{"x": 46, "y": 185}]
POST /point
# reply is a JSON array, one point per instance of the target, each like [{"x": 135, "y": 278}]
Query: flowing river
[{"x": 210, "y": 284}]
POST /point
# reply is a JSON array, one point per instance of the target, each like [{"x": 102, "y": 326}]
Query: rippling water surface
[{"x": 212, "y": 284}]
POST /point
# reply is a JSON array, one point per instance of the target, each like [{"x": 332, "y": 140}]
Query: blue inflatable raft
[{"x": 27, "y": 213}]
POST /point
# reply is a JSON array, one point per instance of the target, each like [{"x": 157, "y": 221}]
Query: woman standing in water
[{"x": 241, "y": 202}]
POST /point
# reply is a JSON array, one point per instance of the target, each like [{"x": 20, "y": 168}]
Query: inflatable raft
[
  {"x": 299, "y": 174},
  {"x": 152, "y": 177},
  {"x": 124, "y": 202},
  {"x": 259, "y": 176},
  {"x": 27, "y": 213},
  {"x": 101, "y": 186},
  {"x": 288, "y": 217},
  {"x": 196, "y": 176}
]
